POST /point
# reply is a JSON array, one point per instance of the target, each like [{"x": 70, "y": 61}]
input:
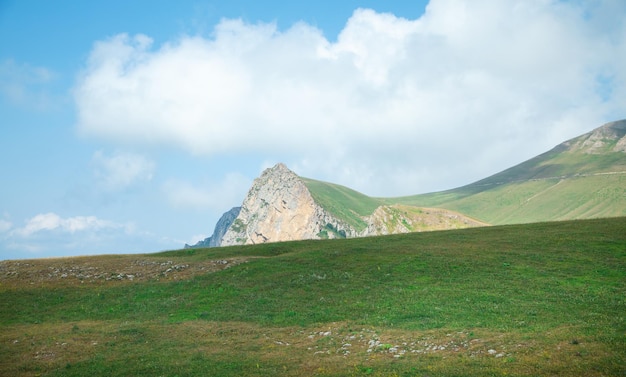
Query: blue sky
[{"x": 131, "y": 126}]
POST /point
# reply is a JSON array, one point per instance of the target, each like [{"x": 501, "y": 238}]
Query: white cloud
[
  {"x": 5, "y": 226},
  {"x": 395, "y": 106},
  {"x": 121, "y": 170},
  {"x": 218, "y": 196},
  {"x": 48, "y": 234},
  {"x": 52, "y": 222},
  {"x": 25, "y": 85}
]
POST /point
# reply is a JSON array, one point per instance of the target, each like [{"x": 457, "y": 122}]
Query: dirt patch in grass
[{"x": 104, "y": 269}]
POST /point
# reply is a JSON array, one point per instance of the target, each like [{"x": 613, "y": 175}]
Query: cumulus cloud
[
  {"x": 394, "y": 106},
  {"x": 121, "y": 170},
  {"x": 52, "y": 222},
  {"x": 218, "y": 196},
  {"x": 49, "y": 234}
]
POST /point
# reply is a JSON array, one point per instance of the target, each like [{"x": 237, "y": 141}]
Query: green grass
[
  {"x": 576, "y": 197},
  {"x": 537, "y": 299},
  {"x": 343, "y": 203},
  {"x": 557, "y": 163},
  {"x": 557, "y": 185}
]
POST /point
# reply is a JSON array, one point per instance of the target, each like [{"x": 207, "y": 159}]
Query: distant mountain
[
  {"x": 281, "y": 206},
  {"x": 584, "y": 177},
  {"x": 373, "y": 216}
]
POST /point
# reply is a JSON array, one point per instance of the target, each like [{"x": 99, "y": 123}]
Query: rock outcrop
[
  {"x": 394, "y": 219},
  {"x": 279, "y": 207},
  {"x": 220, "y": 229},
  {"x": 610, "y": 137}
]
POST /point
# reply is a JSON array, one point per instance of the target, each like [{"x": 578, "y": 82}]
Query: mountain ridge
[
  {"x": 583, "y": 177},
  {"x": 281, "y": 206}
]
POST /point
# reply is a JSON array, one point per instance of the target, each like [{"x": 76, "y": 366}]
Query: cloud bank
[
  {"x": 51, "y": 222},
  {"x": 49, "y": 234},
  {"x": 394, "y": 106}
]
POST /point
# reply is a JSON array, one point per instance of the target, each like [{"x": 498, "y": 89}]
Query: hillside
[
  {"x": 517, "y": 300},
  {"x": 584, "y": 177},
  {"x": 281, "y": 206},
  {"x": 345, "y": 203}
]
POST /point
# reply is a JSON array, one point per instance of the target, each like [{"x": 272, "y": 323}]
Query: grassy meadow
[
  {"x": 566, "y": 183},
  {"x": 550, "y": 199},
  {"x": 560, "y": 184},
  {"x": 516, "y": 300}
]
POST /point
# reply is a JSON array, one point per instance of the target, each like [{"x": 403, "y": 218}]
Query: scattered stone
[{"x": 72, "y": 271}]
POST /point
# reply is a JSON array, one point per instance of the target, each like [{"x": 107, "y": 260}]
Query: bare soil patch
[{"x": 104, "y": 269}]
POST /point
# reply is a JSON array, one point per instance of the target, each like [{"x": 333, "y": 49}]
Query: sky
[{"x": 131, "y": 126}]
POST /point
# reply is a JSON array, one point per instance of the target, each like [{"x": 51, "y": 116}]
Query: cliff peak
[
  {"x": 279, "y": 207},
  {"x": 279, "y": 166},
  {"x": 610, "y": 137}
]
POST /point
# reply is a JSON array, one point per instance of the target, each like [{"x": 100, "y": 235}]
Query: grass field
[{"x": 519, "y": 300}]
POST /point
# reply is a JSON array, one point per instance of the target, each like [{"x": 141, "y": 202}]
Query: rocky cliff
[
  {"x": 610, "y": 137},
  {"x": 220, "y": 229},
  {"x": 279, "y": 207},
  {"x": 394, "y": 219}
]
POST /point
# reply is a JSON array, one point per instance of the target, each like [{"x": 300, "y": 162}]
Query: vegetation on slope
[
  {"x": 522, "y": 300},
  {"x": 581, "y": 178},
  {"x": 584, "y": 177},
  {"x": 342, "y": 202},
  {"x": 582, "y": 197}
]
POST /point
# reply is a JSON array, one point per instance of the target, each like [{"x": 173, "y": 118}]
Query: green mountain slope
[
  {"x": 584, "y": 177},
  {"x": 361, "y": 212},
  {"x": 344, "y": 203}
]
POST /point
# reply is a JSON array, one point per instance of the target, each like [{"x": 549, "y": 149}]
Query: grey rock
[
  {"x": 220, "y": 229},
  {"x": 279, "y": 207}
]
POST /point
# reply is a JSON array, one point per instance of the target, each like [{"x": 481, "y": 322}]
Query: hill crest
[
  {"x": 281, "y": 206},
  {"x": 584, "y": 177},
  {"x": 581, "y": 178}
]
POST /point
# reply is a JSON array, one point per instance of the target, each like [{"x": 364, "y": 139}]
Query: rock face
[
  {"x": 611, "y": 137},
  {"x": 279, "y": 207},
  {"x": 220, "y": 229}
]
